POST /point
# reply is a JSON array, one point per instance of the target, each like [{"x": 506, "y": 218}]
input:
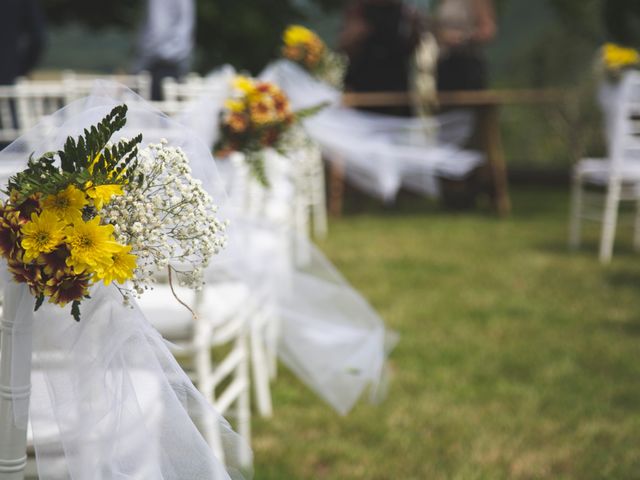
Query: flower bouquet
[
  {"x": 615, "y": 59},
  {"x": 98, "y": 211},
  {"x": 307, "y": 49},
  {"x": 256, "y": 117}
]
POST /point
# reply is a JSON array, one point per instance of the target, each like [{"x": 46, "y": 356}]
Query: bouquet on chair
[
  {"x": 615, "y": 59},
  {"x": 106, "y": 212},
  {"x": 257, "y": 116},
  {"x": 306, "y": 48}
]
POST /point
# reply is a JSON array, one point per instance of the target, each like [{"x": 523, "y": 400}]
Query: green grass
[{"x": 517, "y": 359}]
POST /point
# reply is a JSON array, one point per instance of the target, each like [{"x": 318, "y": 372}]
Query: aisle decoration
[
  {"x": 615, "y": 59},
  {"x": 307, "y": 49},
  {"x": 256, "y": 117},
  {"x": 106, "y": 212}
]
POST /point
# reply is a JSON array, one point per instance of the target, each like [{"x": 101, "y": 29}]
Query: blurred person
[
  {"x": 166, "y": 41},
  {"x": 622, "y": 21},
  {"x": 379, "y": 37},
  {"x": 463, "y": 28},
  {"x": 22, "y": 38}
]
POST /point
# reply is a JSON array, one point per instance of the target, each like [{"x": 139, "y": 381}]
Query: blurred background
[{"x": 525, "y": 53}]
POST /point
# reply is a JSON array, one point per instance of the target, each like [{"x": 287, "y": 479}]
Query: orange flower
[
  {"x": 262, "y": 111},
  {"x": 237, "y": 122},
  {"x": 64, "y": 288}
]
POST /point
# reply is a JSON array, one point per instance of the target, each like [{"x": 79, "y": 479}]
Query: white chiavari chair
[
  {"x": 618, "y": 175},
  {"x": 78, "y": 85}
]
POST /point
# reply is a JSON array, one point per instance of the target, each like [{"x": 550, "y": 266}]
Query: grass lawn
[{"x": 517, "y": 359}]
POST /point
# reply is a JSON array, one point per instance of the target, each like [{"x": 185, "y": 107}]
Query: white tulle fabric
[
  {"x": 330, "y": 337},
  {"x": 108, "y": 399},
  {"x": 380, "y": 153}
]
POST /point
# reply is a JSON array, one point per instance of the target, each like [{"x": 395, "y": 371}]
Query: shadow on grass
[
  {"x": 624, "y": 279},
  {"x": 588, "y": 250},
  {"x": 629, "y": 328}
]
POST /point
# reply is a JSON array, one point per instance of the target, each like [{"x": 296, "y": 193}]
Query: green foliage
[
  {"x": 89, "y": 158},
  {"x": 255, "y": 161},
  {"x": 244, "y": 33},
  {"x": 75, "y": 310}
]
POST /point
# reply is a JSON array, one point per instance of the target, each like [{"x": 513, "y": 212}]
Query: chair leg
[
  {"x": 319, "y": 201},
  {"x": 575, "y": 213},
  {"x": 636, "y": 227},
  {"x": 260, "y": 368},
  {"x": 609, "y": 221},
  {"x": 273, "y": 338},
  {"x": 243, "y": 412}
]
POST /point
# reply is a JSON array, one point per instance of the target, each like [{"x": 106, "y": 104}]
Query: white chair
[
  {"x": 192, "y": 87},
  {"x": 78, "y": 85},
  {"x": 9, "y": 127},
  {"x": 35, "y": 100},
  {"x": 618, "y": 175},
  {"x": 223, "y": 315}
]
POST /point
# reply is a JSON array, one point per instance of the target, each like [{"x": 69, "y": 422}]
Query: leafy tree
[{"x": 245, "y": 33}]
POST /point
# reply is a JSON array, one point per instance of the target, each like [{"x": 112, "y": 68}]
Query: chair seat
[
  {"x": 597, "y": 171},
  {"x": 175, "y": 322}
]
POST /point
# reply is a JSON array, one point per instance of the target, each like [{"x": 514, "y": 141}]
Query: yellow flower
[
  {"x": 102, "y": 194},
  {"x": 42, "y": 234},
  {"x": 91, "y": 245},
  {"x": 296, "y": 34},
  {"x": 244, "y": 84},
  {"x": 66, "y": 204},
  {"x": 616, "y": 57},
  {"x": 234, "y": 105},
  {"x": 120, "y": 269}
]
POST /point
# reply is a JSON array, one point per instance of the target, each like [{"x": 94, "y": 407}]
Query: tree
[{"x": 245, "y": 33}]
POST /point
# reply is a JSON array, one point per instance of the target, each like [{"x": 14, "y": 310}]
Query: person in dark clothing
[
  {"x": 22, "y": 35},
  {"x": 462, "y": 29},
  {"x": 622, "y": 21},
  {"x": 379, "y": 37}
]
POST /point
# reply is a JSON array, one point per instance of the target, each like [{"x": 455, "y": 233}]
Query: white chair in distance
[
  {"x": 195, "y": 87},
  {"x": 35, "y": 100},
  {"x": 78, "y": 85},
  {"x": 618, "y": 175},
  {"x": 9, "y": 126}
]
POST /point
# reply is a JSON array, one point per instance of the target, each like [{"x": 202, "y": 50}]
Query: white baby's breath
[{"x": 168, "y": 219}]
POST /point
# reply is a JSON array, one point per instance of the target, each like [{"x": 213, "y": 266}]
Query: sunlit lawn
[{"x": 517, "y": 359}]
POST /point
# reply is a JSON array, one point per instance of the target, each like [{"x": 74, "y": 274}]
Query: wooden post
[
  {"x": 13, "y": 440},
  {"x": 489, "y": 122},
  {"x": 336, "y": 186}
]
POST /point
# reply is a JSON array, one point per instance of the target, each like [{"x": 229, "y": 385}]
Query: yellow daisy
[
  {"x": 234, "y": 105},
  {"x": 102, "y": 194},
  {"x": 120, "y": 269},
  {"x": 91, "y": 245},
  {"x": 66, "y": 204},
  {"x": 296, "y": 34},
  {"x": 244, "y": 84},
  {"x": 617, "y": 57},
  {"x": 42, "y": 234}
]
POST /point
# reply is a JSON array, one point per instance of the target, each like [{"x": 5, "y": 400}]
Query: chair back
[
  {"x": 9, "y": 127},
  {"x": 194, "y": 87},
  {"x": 80, "y": 85},
  {"x": 36, "y": 100},
  {"x": 625, "y": 145}
]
